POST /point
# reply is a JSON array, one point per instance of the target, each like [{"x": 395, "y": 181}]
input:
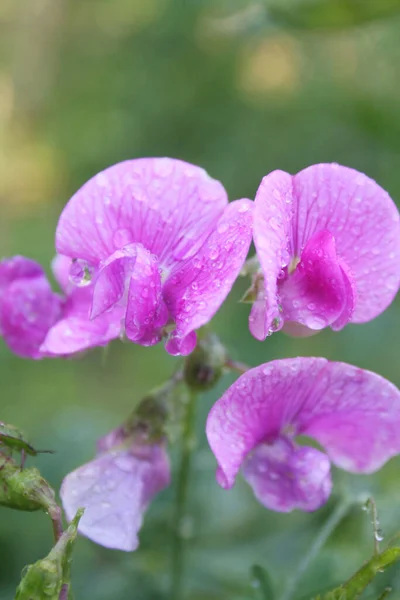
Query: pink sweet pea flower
[
  {"x": 353, "y": 414},
  {"x": 328, "y": 243},
  {"x": 162, "y": 244},
  {"x": 36, "y": 322},
  {"x": 115, "y": 489}
]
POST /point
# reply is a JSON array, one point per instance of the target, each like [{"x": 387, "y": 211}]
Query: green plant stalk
[
  {"x": 354, "y": 587},
  {"x": 332, "y": 522},
  {"x": 181, "y": 498}
]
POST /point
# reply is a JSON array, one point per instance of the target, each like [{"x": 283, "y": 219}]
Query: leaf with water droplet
[{"x": 261, "y": 583}]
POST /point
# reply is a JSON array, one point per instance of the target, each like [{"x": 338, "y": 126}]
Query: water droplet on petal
[
  {"x": 276, "y": 194},
  {"x": 80, "y": 272},
  {"x": 197, "y": 263},
  {"x": 101, "y": 179},
  {"x": 213, "y": 253},
  {"x": 163, "y": 166}
]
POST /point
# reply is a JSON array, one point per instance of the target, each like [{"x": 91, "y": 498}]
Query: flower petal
[
  {"x": 18, "y": 267},
  {"x": 198, "y": 286},
  {"x": 365, "y": 224},
  {"x": 61, "y": 265},
  {"x": 130, "y": 278},
  {"x": 272, "y": 239},
  {"x": 115, "y": 489},
  {"x": 167, "y": 205},
  {"x": 112, "y": 281},
  {"x": 146, "y": 312},
  {"x": 319, "y": 291},
  {"x": 284, "y": 476},
  {"x": 354, "y": 414},
  {"x": 356, "y": 417},
  {"x": 76, "y": 333},
  {"x": 28, "y": 308}
]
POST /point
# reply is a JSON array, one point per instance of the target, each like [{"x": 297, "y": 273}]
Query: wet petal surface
[
  {"x": 319, "y": 291},
  {"x": 272, "y": 239},
  {"x": 285, "y": 476},
  {"x": 115, "y": 490},
  {"x": 167, "y": 205},
  {"x": 198, "y": 286},
  {"x": 354, "y": 414}
]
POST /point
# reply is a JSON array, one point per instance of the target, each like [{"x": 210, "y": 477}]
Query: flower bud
[
  {"x": 45, "y": 578},
  {"x": 24, "y": 489},
  {"x": 204, "y": 367}
]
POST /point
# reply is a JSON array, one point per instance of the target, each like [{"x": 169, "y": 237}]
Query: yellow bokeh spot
[
  {"x": 273, "y": 65},
  {"x": 30, "y": 171}
]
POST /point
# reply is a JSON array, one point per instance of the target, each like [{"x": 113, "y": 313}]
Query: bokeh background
[{"x": 240, "y": 88}]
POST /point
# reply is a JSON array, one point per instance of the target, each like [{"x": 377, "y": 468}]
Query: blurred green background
[{"x": 240, "y": 88}]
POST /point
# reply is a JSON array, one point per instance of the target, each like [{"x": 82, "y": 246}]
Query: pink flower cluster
[{"x": 148, "y": 250}]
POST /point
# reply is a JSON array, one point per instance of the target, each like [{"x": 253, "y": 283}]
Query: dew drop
[
  {"x": 80, "y": 273},
  {"x": 101, "y": 180},
  {"x": 197, "y": 263},
  {"x": 222, "y": 227},
  {"x": 213, "y": 254}
]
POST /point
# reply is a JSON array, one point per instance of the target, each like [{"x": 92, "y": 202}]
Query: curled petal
[
  {"x": 28, "y": 309},
  {"x": 319, "y": 291},
  {"x": 146, "y": 312},
  {"x": 115, "y": 489},
  {"x": 365, "y": 224},
  {"x": 285, "y": 476},
  {"x": 167, "y": 205},
  {"x": 354, "y": 414},
  {"x": 112, "y": 281},
  {"x": 130, "y": 277},
  {"x": 198, "y": 286},
  {"x": 272, "y": 239}
]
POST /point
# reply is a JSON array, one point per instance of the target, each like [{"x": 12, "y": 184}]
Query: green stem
[
  {"x": 238, "y": 366},
  {"x": 334, "y": 519},
  {"x": 181, "y": 498}
]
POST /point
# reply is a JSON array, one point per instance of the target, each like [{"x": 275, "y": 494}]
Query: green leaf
[
  {"x": 45, "y": 579},
  {"x": 261, "y": 583},
  {"x": 332, "y": 14}
]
